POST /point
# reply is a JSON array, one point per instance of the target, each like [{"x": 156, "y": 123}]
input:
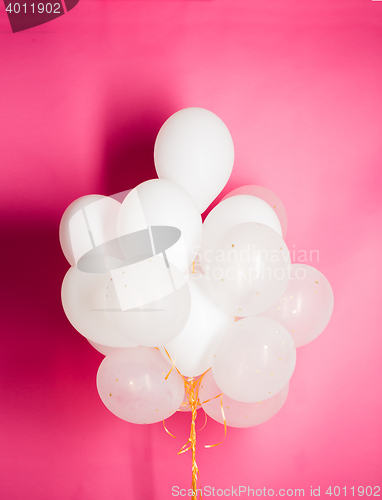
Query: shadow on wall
[
  {"x": 129, "y": 146},
  {"x": 48, "y": 369}
]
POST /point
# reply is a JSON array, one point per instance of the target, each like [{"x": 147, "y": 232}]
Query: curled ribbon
[{"x": 191, "y": 387}]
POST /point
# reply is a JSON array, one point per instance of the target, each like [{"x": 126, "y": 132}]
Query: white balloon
[
  {"x": 249, "y": 269},
  {"x": 132, "y": 384},
  {"x": 267, "y": 195},
  {"x": 155, "y": 322},
  {"x": 254, "y": 360},
  {"x": 87, "y": 223},
  {"x": 306, "y": 306},
  {"x": 195, "y": 150},
  {"x": 160, "y": 202},
  {"x": 103, "y": 349},
  {"x": 193, "y": 349},
  {"x": 232, "y": 211},
  {"x": 237, "y": 414},
  {"x": 84, "y": 303}
]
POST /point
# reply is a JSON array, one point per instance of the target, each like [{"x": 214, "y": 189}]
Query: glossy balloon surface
[
  {"x": 132, "y": 384},
  {"x": 195, "y": 150},
  {"x": 238, "y": 414},
  {"x": 254, "y": 360}
]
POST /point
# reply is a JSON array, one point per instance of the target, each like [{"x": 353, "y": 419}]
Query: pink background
[{"x": 82, "y": 98}]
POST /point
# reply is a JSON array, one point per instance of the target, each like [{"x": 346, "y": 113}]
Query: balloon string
[
  {"x": 207, "y": 400},
  {"x": 225, "y": 425},
  {"x": 168, "y": 432},
  {"x": 173, "y": 365},
  {"x": 191, "y": 386},
  {"x": 192, "y": 389},
  {"x": 205, "y": 422}
]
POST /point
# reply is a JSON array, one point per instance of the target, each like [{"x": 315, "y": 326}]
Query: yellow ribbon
[
  {"x": 225, "y": 424},
  {"x": 192, "y": 387}
]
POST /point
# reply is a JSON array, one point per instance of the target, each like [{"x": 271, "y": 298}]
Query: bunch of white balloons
[{"x": 152, "y": 288}]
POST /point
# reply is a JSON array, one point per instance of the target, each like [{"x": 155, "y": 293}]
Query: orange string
[
  {"x": 168, "y": 432},
  {"x": 192, "y": 387},
  {"x": 225, "y": 425}
]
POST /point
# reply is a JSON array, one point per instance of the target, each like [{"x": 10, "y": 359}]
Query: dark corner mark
[{"x": 26, "y": 14}]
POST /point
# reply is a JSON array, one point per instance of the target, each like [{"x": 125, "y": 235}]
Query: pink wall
[{"x": 82, "y": 99}]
